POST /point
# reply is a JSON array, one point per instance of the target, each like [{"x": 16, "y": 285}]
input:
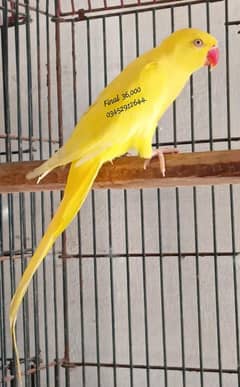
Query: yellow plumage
[{"x": 123, "y": 117}]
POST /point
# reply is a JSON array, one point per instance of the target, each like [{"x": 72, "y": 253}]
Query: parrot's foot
[{"x": 160, "y": 154}]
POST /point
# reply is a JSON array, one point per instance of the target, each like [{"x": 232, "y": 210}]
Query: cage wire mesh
[{"x": 143, "y": 288}]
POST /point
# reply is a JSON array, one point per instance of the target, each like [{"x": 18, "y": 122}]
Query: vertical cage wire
[{"x": 135, "y": 292}]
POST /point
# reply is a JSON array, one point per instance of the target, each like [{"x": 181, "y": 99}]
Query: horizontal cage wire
[
  {"x": 143, "y": 287},
  {"x": 80, "y": 10}
]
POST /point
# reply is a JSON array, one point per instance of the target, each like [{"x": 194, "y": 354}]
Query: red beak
[{"x": 212, "y": 57}]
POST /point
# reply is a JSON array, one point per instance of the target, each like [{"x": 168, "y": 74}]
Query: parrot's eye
[{"x": 198, "y": 42}]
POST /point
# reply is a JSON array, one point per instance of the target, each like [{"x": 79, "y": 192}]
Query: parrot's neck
[
  {"x": 174, "y": 61},
  {"x": 164, "y": 84}
]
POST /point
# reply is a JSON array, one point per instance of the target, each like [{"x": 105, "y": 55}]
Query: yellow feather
[
  {"x": 78, "y": 185},
  {"x": 123, "y": 117}
]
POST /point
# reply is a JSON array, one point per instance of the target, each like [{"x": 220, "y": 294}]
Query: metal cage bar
[{"x": 36, "y": 79}]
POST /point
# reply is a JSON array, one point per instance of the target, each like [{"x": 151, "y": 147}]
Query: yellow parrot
[{"x": 123, "y": 117}]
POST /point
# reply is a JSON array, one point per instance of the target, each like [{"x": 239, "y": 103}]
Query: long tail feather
[{"x": 80, "y": 180}]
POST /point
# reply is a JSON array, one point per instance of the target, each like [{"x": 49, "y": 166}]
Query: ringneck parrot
[{"x": 123, "y": 117}]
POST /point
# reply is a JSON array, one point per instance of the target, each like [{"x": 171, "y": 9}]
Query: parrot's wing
[
  {"x": 101, "y": 126},
  {"x": 96, "y": 132}
]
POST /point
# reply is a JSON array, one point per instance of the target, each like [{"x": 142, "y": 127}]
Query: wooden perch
[{"x": 199, "y": 168}]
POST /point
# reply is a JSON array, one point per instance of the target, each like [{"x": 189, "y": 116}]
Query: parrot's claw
[{"x": 160, "y": 154}]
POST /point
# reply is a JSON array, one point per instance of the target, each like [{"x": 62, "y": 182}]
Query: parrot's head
[{"x": 192, "y": 49}]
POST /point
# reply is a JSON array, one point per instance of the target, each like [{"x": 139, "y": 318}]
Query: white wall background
[{"x": 170, "y": 229}]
